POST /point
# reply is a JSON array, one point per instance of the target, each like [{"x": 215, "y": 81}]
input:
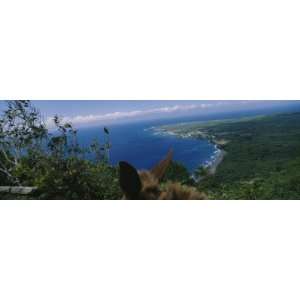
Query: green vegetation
[
  {"x": 262, "y": 158},
  {"x": 54, "y": 162},
  {"x": 178, "y": 172}
]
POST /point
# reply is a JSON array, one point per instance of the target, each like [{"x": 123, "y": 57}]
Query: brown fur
[
  {"x": 176, "y": 191},
  {"x": 146, "y": 184}
]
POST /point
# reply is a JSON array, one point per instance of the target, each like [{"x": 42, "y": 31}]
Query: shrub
[
  {"x": 54, "y": 162},
  {"x": 178, "y": 172}
]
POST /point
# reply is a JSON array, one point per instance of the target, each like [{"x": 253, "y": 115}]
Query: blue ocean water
[
  {"x": 141, "y": 147},
  {"x": 137, "y": 144}
]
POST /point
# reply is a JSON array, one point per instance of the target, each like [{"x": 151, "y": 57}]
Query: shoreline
[
  {"x": 212, "y": 167},
  {"x": 218, "y": 156}
]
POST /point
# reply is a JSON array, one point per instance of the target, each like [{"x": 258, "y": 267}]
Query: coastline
[
  {"x": 215, "y": 160},
  {"x": 212, "y": 168}
]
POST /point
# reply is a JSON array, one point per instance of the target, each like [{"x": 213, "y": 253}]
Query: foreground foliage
[{"x": 54, "y": 161}]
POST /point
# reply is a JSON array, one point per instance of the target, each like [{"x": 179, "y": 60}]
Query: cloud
[{"x": 89, "y": 119}]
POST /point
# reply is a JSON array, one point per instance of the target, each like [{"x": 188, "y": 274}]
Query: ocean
[{"x": 143, "y": 147}]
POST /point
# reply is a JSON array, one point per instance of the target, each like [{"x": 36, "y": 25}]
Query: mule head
[{"x": 143, "y": 184}]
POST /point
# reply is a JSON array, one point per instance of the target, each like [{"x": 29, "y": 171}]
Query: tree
[
  {"x": 53, "y": 161},
  {"x": 21, "y": 131}
]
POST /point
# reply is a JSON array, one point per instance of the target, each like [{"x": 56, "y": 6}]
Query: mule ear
[
  {"x": 160, "y": 169},
  {"x": 130, "y": 182}
]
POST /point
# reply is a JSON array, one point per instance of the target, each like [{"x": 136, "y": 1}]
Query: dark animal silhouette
[{"x": 146, "y": 184}]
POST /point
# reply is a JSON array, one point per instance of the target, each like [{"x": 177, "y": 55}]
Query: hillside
[{"x": 262, "y": 158}]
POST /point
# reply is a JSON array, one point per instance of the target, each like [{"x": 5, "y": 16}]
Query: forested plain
[{"x": 262, "y": 159}]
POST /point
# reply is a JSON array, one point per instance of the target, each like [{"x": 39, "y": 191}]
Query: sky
[{"x": 87, "y": 113}]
